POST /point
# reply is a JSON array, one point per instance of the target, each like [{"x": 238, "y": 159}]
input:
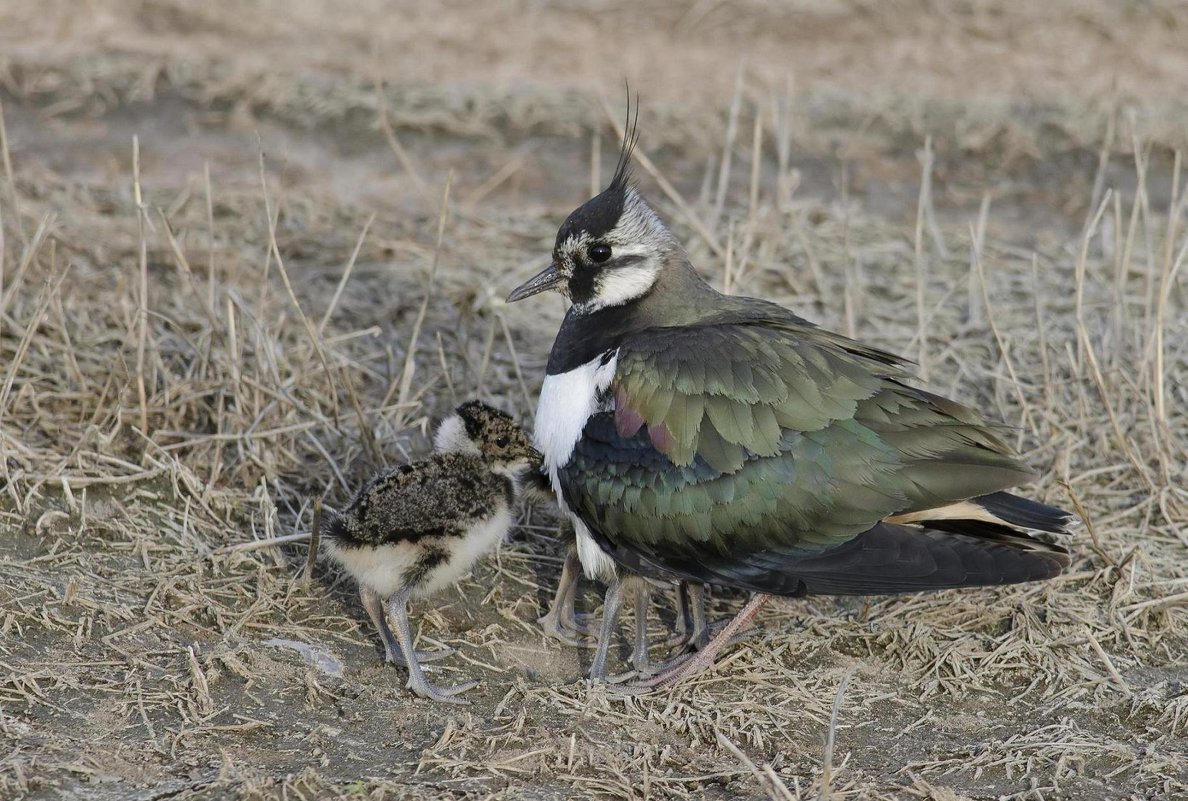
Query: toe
[
  {"x": 433, "y": 656},
  {"x": 445, "y": 695},
  {"x": 569, "y": 636}
]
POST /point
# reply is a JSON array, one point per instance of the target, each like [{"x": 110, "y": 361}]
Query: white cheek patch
[{"x": 617, "y": 286}]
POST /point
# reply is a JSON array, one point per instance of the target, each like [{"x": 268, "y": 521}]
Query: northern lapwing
[
  {"x": 419, "y": 527},
  {"x": 700, "y": 437}
]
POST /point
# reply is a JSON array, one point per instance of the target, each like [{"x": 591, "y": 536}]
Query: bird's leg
[
  {"x": 704, "y": 658},
  {"x": 392, "y": 652},
  {"x": 699, "y": 630},
  {"x": 611, "y": 606},
  {"x": 682, "y": 625},
  {"x": 692, "y": 630},
  {"x": 375, "y": 611},
  {"x": 639, "y": 654},
  {"x": 561, "y": 622},
  {"x": 398, "y": 608}
]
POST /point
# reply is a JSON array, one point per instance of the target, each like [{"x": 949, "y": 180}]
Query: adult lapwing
[{"x": 699, "y": 437}]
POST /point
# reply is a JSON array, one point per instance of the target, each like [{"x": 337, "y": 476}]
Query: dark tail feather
[
  {"x": 989, "y": 540},
  {"x": 900, "y": 558},
  {"x": 1026, "y": 513}
]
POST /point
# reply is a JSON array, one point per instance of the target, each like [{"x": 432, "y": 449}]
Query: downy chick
[{"x": 419, "y": 527}]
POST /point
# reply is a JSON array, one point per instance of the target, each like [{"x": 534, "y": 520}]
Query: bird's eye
[
  {"x": 502, "y": 442},
  {"x": 598, "y": 253}
]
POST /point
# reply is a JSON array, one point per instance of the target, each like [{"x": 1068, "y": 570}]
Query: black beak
[{"x": 546, "y": 279}]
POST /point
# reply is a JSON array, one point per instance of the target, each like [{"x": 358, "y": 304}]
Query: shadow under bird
[
  {"x": 419, "y": 527},
  {"x": 698, "y": 437}
]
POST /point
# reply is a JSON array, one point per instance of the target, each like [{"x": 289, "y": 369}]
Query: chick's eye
[
  {"x": 598, "y": 253},
  {"x": 502, "y": 442}
]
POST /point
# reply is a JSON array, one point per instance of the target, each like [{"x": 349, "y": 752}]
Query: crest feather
[{"x": 630, "y": 137}]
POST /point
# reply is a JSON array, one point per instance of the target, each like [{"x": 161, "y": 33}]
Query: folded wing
[{"x": 776, "y": 457}]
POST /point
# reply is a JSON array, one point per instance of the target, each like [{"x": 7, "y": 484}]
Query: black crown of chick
[
  {"x": 698, "y": 437},
  {"x": 419, "y": 527}
]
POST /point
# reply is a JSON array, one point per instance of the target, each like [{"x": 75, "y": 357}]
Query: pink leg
[
  {"x": 561, "y": 622},
  {"x": 704, "y": 658}
]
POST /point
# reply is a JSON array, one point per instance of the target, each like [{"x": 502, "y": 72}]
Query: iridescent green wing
[
  {"x": 743, "y": 442},
  {"x": 723, "y": 390}
]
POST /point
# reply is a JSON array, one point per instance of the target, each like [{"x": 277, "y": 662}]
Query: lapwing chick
[
  {"x": 712, "y": 439},
  {"x": 419, "y": 527}
]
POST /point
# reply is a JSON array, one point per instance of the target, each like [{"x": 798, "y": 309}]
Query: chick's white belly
[
  {"x": 567, "y": 400},
  {"x": 390, "y": 567},
  {"x": 464, "y": 552}
]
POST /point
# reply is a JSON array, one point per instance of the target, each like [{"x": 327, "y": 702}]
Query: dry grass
[{"x": 198, "y": 340}]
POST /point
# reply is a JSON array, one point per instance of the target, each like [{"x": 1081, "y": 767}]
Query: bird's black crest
[{"x": 599, "y": 215}]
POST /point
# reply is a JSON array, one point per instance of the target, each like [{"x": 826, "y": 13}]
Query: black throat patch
[{"x": 583, "y": 337}]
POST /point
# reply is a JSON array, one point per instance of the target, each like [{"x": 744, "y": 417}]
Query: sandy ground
[{"x": 197, "y": 341}]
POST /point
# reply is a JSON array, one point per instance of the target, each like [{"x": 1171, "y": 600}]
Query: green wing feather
[{"x": 769, "y": 436}]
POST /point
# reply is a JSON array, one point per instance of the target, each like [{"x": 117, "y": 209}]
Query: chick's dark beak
[{"x": 546, "y": 279}]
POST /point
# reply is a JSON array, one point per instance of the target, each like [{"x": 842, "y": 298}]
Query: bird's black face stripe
[
  {"x": 583, "y": 286},
  {"x": 473, "y": 426}
]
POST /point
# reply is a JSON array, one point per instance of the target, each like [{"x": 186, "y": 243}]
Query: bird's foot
[
  {"x": 697, "y": 640},
  {"x": 679, "y": 639},
  {"x": 667, "y": 674},
  {"x": 445, "y": 695},
  {"x": 687, "y": 665},
  {"x": 434, "y": 655},
  {"x": 642, "y": 667},
  {"x": 574, "y": 629},
  {"x": 641, "y": 661}
]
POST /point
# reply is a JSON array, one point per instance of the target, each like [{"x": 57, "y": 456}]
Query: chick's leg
[
  {"x": 699, "y": 630},
  {"x": 639, "y": 654},
  {"x": 611, "y": 606},
  {"x": 398, "y": 608},
  {"x": 392, "y": 653}
]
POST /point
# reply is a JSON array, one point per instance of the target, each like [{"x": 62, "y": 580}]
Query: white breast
[
  {"x": 567, "y": 400},
  {"x": 380, "y": 568},
  {"x": 480, "y": 540}
]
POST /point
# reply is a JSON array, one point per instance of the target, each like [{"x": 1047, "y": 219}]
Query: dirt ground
[{"x": 251, "y": 249}]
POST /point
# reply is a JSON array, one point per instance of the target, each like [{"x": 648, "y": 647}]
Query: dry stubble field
[{"x": 306, "y": 264}]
